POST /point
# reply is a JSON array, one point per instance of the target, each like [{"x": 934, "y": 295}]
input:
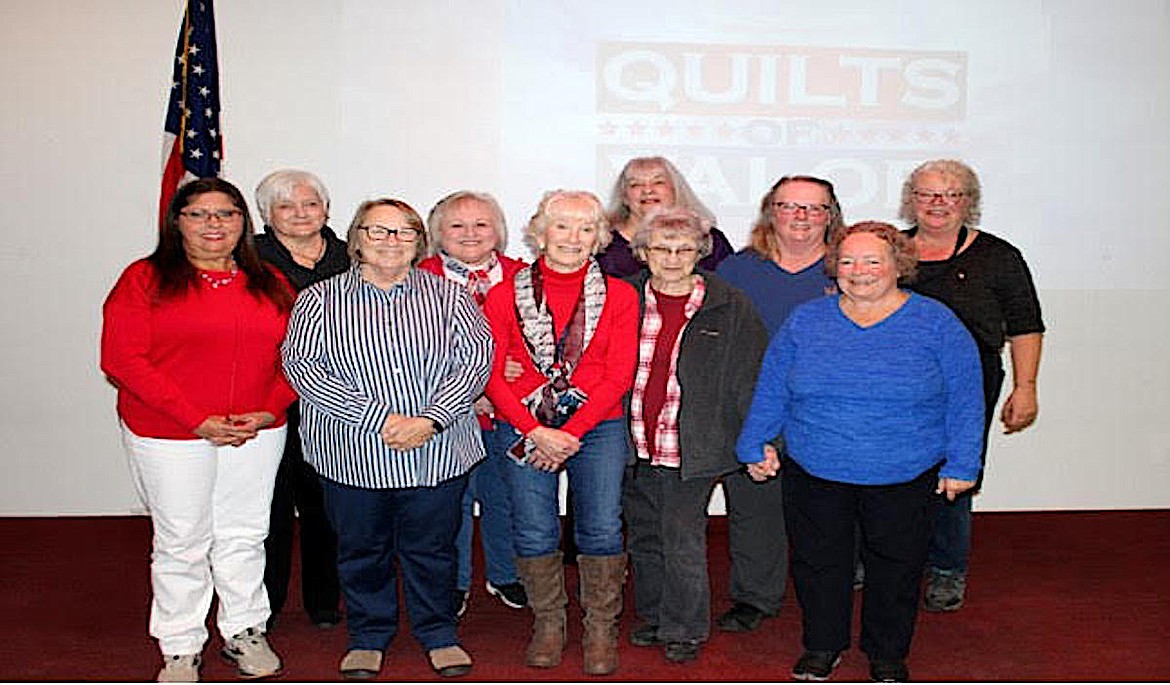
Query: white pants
[{"x": 209, "y": 507}]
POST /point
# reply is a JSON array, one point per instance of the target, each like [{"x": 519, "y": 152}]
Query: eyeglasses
[
  {"x": 794, "y": 207},
  {"x": 207, "y": 214},
  {"x": 307, "y": 206},
  {"x": 948, "y": 196},
  {"x": 662, "y": 251},
  {"x": 405, "y": 234}
]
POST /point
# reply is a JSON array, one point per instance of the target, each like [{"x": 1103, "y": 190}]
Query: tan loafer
[
  {"x": 361, "y": 664},
  {"x": 450, "y": 662}
]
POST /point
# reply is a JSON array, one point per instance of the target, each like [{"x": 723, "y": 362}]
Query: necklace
[
  {"x": 304, "y": 259},
  {"x": 223, "y": 280}
]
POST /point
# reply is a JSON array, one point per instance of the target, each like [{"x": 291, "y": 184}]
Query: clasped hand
[
  {"x": 553, "y": 448},
  {"x": 766, "y": 468},
  {"x": 234, "y": 429},
  {"x": 406, "y": 432}
]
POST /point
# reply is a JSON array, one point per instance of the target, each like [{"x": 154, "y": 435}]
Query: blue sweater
[
  {"x": 870, "y": 406},
  {"x": 774, "y": 291}
]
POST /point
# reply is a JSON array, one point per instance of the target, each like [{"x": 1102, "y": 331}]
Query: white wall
[{"x": 1064, "y": 113}]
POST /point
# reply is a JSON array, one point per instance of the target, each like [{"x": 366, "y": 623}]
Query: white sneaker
[
  {"x": 250, "y": 652},
  {"x": 180, "y": 668}
]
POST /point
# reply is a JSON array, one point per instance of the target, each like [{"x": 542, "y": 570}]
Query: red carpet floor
[{"x": 1053, "y": 597}]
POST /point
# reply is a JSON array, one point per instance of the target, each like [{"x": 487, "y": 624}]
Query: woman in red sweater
[
  {"x": 574, "y": 331},
  {"x": 191, "y": 338}
]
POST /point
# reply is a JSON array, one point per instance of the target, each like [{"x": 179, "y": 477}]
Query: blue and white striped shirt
[{"x": 356, "y": 354}]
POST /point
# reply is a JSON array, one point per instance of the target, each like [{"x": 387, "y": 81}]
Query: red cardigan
[
  {"x": 606, "y": 370},
  {"x": 209, "y": 351}
]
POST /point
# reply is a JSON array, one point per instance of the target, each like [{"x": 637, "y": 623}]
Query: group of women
[{"x": 636, "y": 354}]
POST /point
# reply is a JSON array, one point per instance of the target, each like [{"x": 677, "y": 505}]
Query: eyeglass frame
[
  {"x": 205, "y": 215},
  {"x": 813, "y": 210},
  {"x": 386, "y": 232},
  {"x": 951, "y": 197},
  {"x": 662, "y": 251}
]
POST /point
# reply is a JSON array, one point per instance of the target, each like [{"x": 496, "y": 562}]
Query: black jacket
[{"x": 718, "y": 361}]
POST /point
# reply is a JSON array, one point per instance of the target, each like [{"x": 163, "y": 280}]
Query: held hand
[
  {"x": 219, "y": 431},
  {"x": 483, "y": 406},
  {"x": 768, "y": 468},
  {"x": 542, "y": 461},
  {"x": 554, "y": 443},
  {"x": 512, "y": 369},
  {"x": 1020, "y": 409},
  {"x": 406, "y": 432},
  {"x": 953, "y": 487},
  {"x": 254, "y": 421}
]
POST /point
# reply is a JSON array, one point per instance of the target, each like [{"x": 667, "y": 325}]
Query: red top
[
  {"x": 606, "y": 370},
  {"x": 672, "y": 309},
  {"x": 206, "y": 352}
]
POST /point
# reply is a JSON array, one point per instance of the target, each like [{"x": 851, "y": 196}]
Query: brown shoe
[
  {"x": 544, "y": 582},
  {"x": 361, "y": 664},
  {"x": 601, "y": 598},
  {"x": 450, "y": 662}
]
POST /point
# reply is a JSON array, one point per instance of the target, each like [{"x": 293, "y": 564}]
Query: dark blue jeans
[
  {"x": 416, "y": 527},
  {"x": 950, "y": 548},
  {"x": 487, "y": 486},
  {"x": 595, "y": 479}
]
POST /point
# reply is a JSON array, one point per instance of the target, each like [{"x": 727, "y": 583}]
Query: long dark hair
[{"x": 176, "y": 273}]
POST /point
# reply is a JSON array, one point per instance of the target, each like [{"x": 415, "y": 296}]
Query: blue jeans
[
  {"x": 416, "y": 527},
  {"x": 950, "y": 547},
  {"x": 495, "y": 514},
  {"x": 595, "y": 478}
]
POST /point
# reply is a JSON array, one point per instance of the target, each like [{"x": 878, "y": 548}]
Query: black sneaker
[
  {"x": 645, "y": 635},
  {"x": 814, "y": 665},
  {"x": 682, "y": 651},
  {"x": 888, "y": 671},
  {"x": 511, "y": 594},
  {"x": 741, "y": 618},
  {"x": 461, "y": 602},
  {"x": 944, "y": 592}
]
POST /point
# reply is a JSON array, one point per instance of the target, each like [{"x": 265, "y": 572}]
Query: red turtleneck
[{"x": 606, "y": 370}]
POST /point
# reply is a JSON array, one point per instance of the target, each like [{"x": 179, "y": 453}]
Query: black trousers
[
  {"x": 757, "y": 541},
  {"x": 298, "y": 489},
  {"x": 666, "y": 523},
  {"x": 894, "y": 522}
]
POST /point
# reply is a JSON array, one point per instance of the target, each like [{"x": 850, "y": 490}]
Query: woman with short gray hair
[{"x": 700, "y": 346}]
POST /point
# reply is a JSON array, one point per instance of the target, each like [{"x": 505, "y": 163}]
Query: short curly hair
[
  {"x": 947, "y": 167},
  {"x": 905, "y": 252},
  {"x": 546, "y": 211}
]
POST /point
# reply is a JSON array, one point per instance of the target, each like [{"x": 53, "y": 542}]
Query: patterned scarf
[
  {"x": 555, "y": 401},
  {"x": 478, "y": 279}
]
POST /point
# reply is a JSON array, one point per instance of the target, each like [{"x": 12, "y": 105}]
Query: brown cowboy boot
[
  {"x": 544, "y": 582},
  {"x": 601, "y": 598}
]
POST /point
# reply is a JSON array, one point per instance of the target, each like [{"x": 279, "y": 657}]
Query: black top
[
  {"x": 989, "y": 288},
  {"x": 618, "y": 259},
  {"x": 335, "y": 260}
]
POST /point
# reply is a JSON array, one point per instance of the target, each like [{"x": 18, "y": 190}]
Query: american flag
[{"x": 192, "y": 140}]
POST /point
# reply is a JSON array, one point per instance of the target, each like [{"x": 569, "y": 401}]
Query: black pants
[
  {"x": 298, "y": 489},
  {"x": 895, "y": 526},
  {"x": 666, "y": 521},
  {"x": 756, "y": 540}
]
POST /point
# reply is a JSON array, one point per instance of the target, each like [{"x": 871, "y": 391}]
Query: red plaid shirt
[{"x": 666, "y": 447}]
